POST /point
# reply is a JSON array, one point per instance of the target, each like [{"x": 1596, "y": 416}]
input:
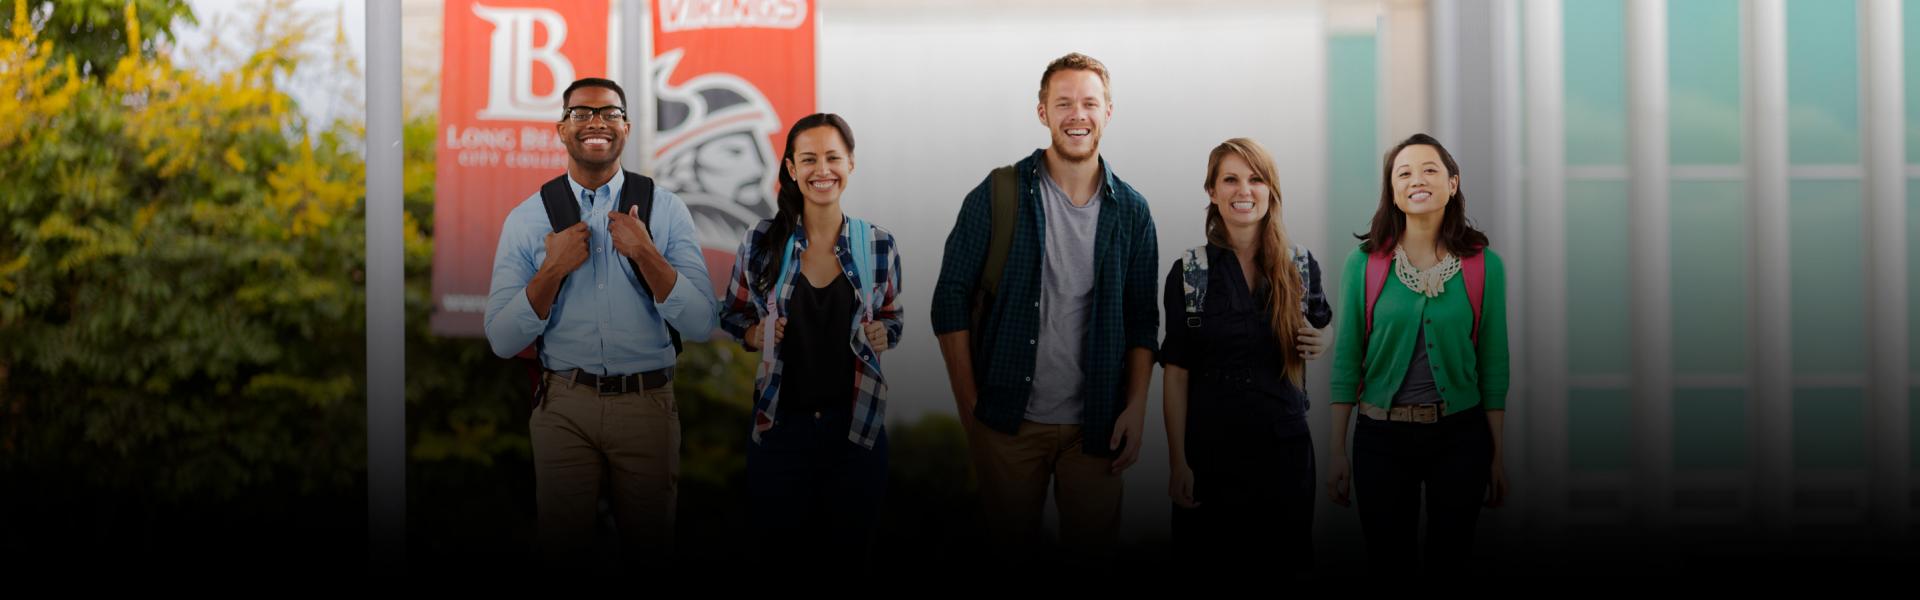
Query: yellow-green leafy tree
[{"x": 180, "y": 274}]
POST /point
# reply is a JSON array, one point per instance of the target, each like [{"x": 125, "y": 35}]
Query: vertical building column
[
  {"x": 634, "y": 49},
  {"x": 386, "y": 289},
  {"x": 1650, "y": 258},
  {"x": 1883, "y": 134},
  {"x": 1770, "y": 357},
  {"x": 1545, "y": 303},
  {"x": 1503, "y": 183},
  {"x": 1406, "y": 86}
]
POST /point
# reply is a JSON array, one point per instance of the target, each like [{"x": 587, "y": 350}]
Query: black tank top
[{"x": 816, "y": 352}]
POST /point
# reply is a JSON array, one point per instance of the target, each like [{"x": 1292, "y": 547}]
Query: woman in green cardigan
[{"x": 1422, "y": 353}]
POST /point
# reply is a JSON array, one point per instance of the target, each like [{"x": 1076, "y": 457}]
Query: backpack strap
[
  {"x": 1378, "y": 263},
  {"x": 1004, "y": 183},
  {"x": 1474, "y": 268},
  {"x": 786, "y": 258},
  {"x": 774, "y": 293},
  {"x": 1193, "y": 280},
  {"x": 860, "y": 242},
  {"x": 638, "y": 191},
  {"x": 563, "y": 209},
  {"x": 1303, "y": 264},
  {"x": 1300, "y": 255},
  {"x": 860, "y": 245}
]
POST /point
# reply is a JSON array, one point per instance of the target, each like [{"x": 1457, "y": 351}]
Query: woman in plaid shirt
[{"x": 816, "y": 293}]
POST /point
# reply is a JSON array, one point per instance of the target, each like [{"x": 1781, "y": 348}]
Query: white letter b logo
[{"x": 510, "y": 94}]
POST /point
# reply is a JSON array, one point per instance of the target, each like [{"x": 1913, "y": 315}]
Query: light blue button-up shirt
[{"x": 601, "y": 322}]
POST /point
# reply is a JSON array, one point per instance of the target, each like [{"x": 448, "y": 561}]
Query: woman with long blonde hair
[{"x": 1243, "y": 318}]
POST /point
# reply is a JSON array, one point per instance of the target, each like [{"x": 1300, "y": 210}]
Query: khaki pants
[
  {"x": 632, "y": 442},
  {"x": 1014, "y": 471}
]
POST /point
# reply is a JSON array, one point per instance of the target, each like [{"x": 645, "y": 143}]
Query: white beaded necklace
[{"x": 1429, "y": 282}]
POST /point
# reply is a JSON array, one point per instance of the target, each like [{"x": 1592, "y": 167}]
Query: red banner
[
  {"x": 729, "y": 76},
  {"x": 504, "y": 66}
]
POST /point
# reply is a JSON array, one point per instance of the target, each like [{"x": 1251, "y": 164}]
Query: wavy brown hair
[{"x": 1284, "y": 287}]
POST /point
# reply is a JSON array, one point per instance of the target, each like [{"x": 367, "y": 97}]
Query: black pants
[
  {"x": 1393, "y": 461},
  {"x": 1255, "y": 512},
  {"x": 814, "y": 495}
]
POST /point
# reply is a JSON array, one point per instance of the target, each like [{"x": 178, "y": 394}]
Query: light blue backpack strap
[
  {"x": 860, "y": 245},
  {"x": 1194, "y": 280},
  {"x": 786, "y": 269}
]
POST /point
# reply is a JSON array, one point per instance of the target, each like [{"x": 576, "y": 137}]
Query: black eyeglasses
[{"x": 610, "y": 114}]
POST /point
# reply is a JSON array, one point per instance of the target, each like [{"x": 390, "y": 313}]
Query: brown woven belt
[{"x": 1408, "y": 413}]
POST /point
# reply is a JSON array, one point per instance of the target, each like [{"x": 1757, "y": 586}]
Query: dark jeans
[
  {"x": 1393, "y": 461},
  {"x": 814, "y": 495},
  {"x": 1255, "y": 512}
]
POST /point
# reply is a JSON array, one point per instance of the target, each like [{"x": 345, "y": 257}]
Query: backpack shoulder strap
[
  {"x": 1303, "y": 264},
  {"x": 1474, "y": 268},
  {"x": 1193, "y": 279},
  {"x": 1005, "y": 185},
  {"x": 785, "y": 268},
  {"x": 638, "y": 191},
  {"x": 1378, "y": 263},
  {"x": 860, "y": 245},
  {"x": 1300, "y": 257},
  {"x": 563, "y": 210}
]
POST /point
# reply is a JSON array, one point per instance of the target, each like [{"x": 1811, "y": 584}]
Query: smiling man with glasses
[{"x": 601, "y": 270}]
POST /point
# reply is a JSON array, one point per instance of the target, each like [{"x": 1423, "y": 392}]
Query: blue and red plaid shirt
[{"x": 743, "y": 308}]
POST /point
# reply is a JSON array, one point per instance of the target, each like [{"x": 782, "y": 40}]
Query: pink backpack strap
[
  {"x": 1475, "y": 270},
  {"x": 1377, "y": 266}
]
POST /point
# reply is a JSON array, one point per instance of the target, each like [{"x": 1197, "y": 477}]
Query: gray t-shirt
[
  {"x": 1419, "y": 386},
  {"x": 1066, "y": 297}
]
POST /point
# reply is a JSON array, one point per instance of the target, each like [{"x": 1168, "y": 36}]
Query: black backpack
[{"x": 563, "y": 210}]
